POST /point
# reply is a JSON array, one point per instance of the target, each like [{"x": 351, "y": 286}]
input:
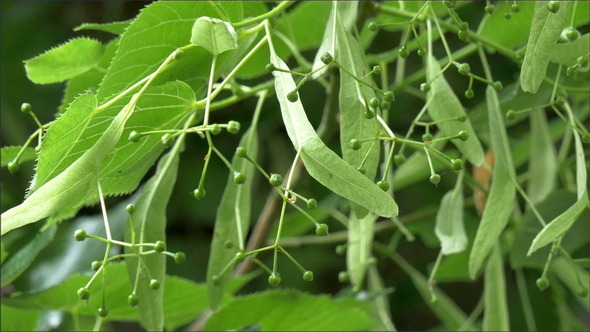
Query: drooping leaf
[
  {"x": 10, "y": 152},
  {"x": 232, "y": 220},
  {"x": 214, "y": 35},
  {"x": 321, "y": 162},
  {"x": 501, "y": 196},
  {"x": 64, "y": 62},
  {"x": 543, "y": 160},
  {"x": 13, "y": 319},
  {"x": 116, "y": 28},
  {"x": 381, "y": 302},
  {"x": 545, "y": 30},
  {"x": 449, "y": 221},
  {"x": 567, "y": 53},
  {"x": 495, "y": 316},
  {"x": 360, "y": 240},
  {"x": 21, "y": 260},
  {"x": 297, "y": 312},
  {"x": 445, "y": 105}
]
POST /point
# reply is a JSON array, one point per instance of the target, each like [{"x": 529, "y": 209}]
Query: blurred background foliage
[{"x": 29, "y": 28}]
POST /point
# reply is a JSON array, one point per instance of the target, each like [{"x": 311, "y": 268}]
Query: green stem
[{"x": 272, "y": 13}]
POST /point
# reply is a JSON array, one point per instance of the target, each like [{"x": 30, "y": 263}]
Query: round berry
[
  {"x": 340, "y": 249},
  {"x": 274, "y": 280},
  {"x": 507, "y": 15},
  {"x": 80, "y": 235},
  {"x": 355, "y": 144},
  {"x": 582, "y": 291},
  {"x": 361, "y": 169},
  {"x": 384, "y": 185},
  {"x": 425, "y": 87},
  {"x": 240, "y": 257},
  {"x": 199, "y": 193},
  {"x": 13, "y": 167},
  {"x": 376, "y": 69},
  {"x": 388, "y": 96},
  {"x": 228, "y": 244},
  {"x": 490, "y": 9},
  {"x": 239, "y": 177},
  {"x": 463, "y": 135},
  {"x": 374, "y": 103},
  {"x": 26, "y": 108},
  {"x": 83, "y": 293},
  {"x": 270, "y": 67},
  {"x": 292, "y": 96},
  {"x": 233, "y": 127},
  {"x": 553, "y": 6},
  {"x": 427, "y": 137},
  {"x": 133, "y": 300},
  {"x": 373, "y": 26},
  {"x": 420, "y": 52},
  {"x": 276, "y": 180},
  {"x": 542, "y": 283},
  {"x": 312, "y": 203},
  {"x": 308, "y": 276},
  {"x": 178, "y": 54},
  {"x": 216, "y": 280},
  {"x": 241, "y": 152},
  {"x": 515, "y": 8},
  {"x": 399, "y": 159},
  {"x": 215, "y": 129},
  {"x": 572, "y": 34},
  {"x": 463, "y": 25},
  {"x": 327, "y": 58},
  {"x": 369, "y": 113},
  {"x": 403, "y": 52},
  {"x": 166, "y": 139},
  {"x": 510, "y": 115},
  {"x": 154, "y": 284},
  {"x": 463, "y": 35},
  {"x": 464, "y": 69},
  {"x": 160, "y": 246},
  {"x": 103, "y": 312},
  {"x": 469, "y": 94},
  {"x": 434, "y": 179},
  {"x": 498, "y": 86},
  {"x": 457, "y": 164},
  {"x": 582, "y": 61},
  {"x": 462, "y": 118},
  {"x": 179, "y": 257},
  {"x": 130, "y": 208},
  {"x": 134, "y": 136},
  {"x": 321, "y": 229},
  {"x": 343, "y": 276},
  {"x": 570, "y": 71},
  {"x": 96, "y": 265}
]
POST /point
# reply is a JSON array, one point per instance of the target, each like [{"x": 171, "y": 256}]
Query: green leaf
[
  {"x": 360, "y": 241},
  {"x": 313, "y": 16},
  {"x": 13, "y": 319},
  {"x": 560, "y": 225},
  {"x": 501, "y": 196},
  {"x": 65, "y": 61},
  {"x": 543, "y": 159},
  {"x": 214, "y": 35},
  {"x": 415, "y": 168},
  {"x": 8, "y": 153},
  {"x": 445, "y": 105},
  {"x": 20, "y": 261},
  {"x": 449, "y": 221},
  {"x": 232, "y": 220},
  {"x": 382, "y": 310},
  {"x": 495, "y": 315},
  {"x": 297, "y": 312},
  {"x": 546, "y": 28},
  {"x": 567, "y": 53},
  {"x": 321, "y": 162},
  {"x": 509, "y": 33},
  {"x": 116, "y": 28}
]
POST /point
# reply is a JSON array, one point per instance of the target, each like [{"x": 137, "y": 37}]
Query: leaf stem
[{"x": 273, "y": 12}]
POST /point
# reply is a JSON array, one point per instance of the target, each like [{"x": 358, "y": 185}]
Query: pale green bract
[
  {"x": 567, "y": 53},
  {"x": 449, "y": 221},
  {"x": 214, "y": 35},
  {"x": 8, "y": 153},
  {"x": 495, "y": 316},
  {"x": 360, "y": 239},
  {"x": 543, "y": 159},
  {"x": 64, "y": 62}
]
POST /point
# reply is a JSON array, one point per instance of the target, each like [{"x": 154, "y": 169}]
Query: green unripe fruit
[
  {"x": 582, "y": 291},
  {"x": 343, "y": 276},
  {"x": 582, "y": 61},
  {"x": 434, "y": 179},
  {"x": 103, "y": 312},
  {"x": 361, "y": 169},
  {"x": 469, "y": 94},
  {"x": 462, "y": 118},
  {"x": 233, "y": 127},
  {"x": 572, "y": 34},
  {"x": 515, "y": 8},
  {"x": 457, "y": 164},
  {"x": 80, "y": 235},
  {"x": 83, "y": 293},
  {"x": 154, "y": 284},
  {"x": 179, "y": 257},
  {"x": 399, "y": 159},
  {"x": 130, "y": 208},
  {"x": 570, "y": 71},
  {"x": 420, "y": 52},
  {"x": 341, "y": 249},
  {"x": 427, "y": 137},
  {"x": 553, "y": 6},
  {"x": 228, "y": 244},
  {"x": 388, "y": 96},
  {"x": 215, "y": 129},
  {"x": 166, "y": 139},
  {"x": 276, "y": 180},
  {"x": 274, "y": 280},
  {"x": 507, "y": 15},
  {"x": 368, "y": 113},
  {"x": 160, "y": 246},
  {"x": 327, "y": 58},
  {"x": 374, "y": 103},
  {"x": 385, "y": 105},
  {"x": 498, "y": 86},
  {"x": 292, "y": 96},
  {"x": 376, "y": 70},
  {"x": 133, "y": 300},
  {"x": 312, "y": 203},
  {"x": 355, "y": 144},
  {"x": 542, "y": 283},
  {"x": 270, "y": 67},
  {"x": 240, "y": 257},
  {"x": 403, "y": 52},
  {"x": 373, "y": 26},
  {"x": 178, "y": 54},
  {"x": 308, "y": 276},
  {"x": 384, "y": 185},
  {"x": 216, "y": 280},
  {"x": 26, "y": 108},
  {"x": 96, "y": 265},
  {"x": 463, "y": 135},
  {"x": 241, "y": 152},
  {"x": 425, "y": 87},
  {"x": 13, "y": 167},
  {"x": 321, "y": 229},
  {"x": 464, "y": 69},
  {"x": 490, "y": 9},
  {"x": 510, "y": 115},
  {"x": 134, "y": 136},
  {"x": 239, "y": 178},
  {"x": 463, "y": 25},
  {"x": 199, "y": 193},
  {"x": 463, "y": 35}
]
